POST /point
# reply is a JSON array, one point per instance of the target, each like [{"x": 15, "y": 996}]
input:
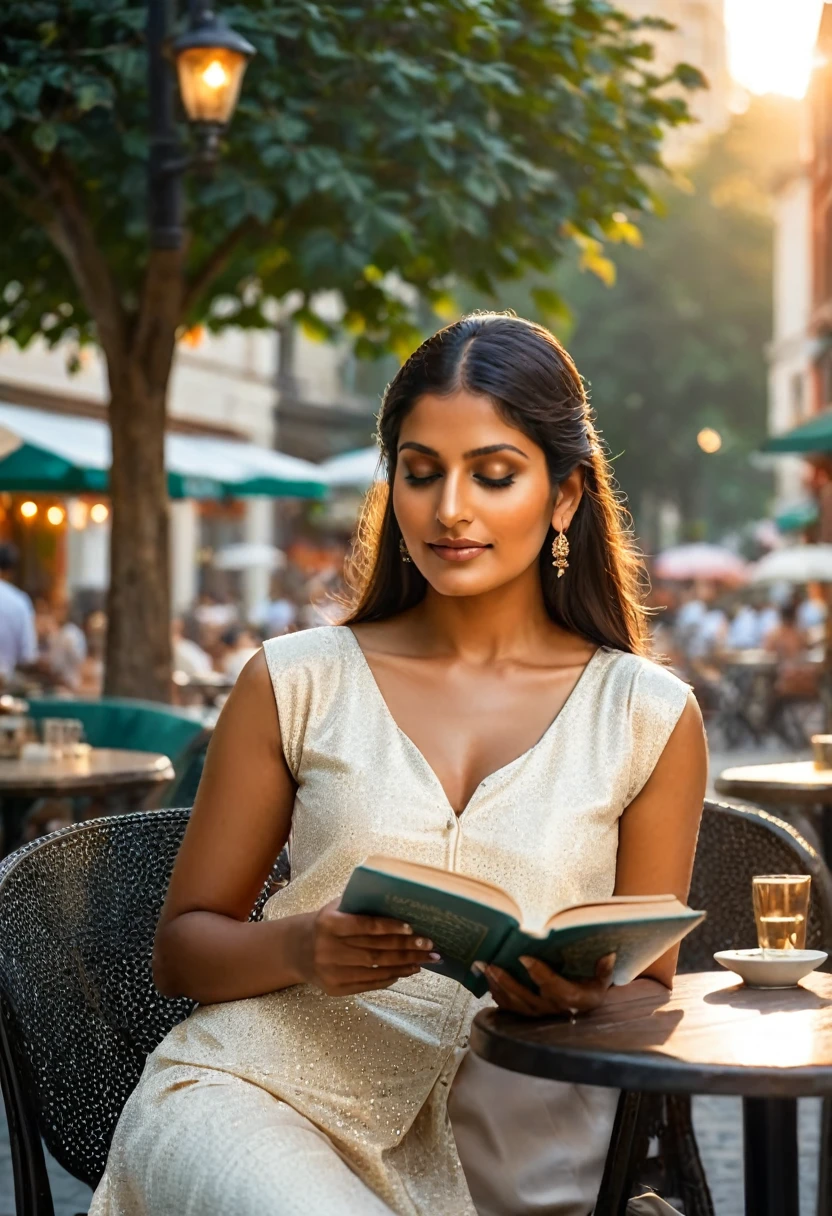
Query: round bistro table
[
  {"x": 711, "y": 1035},
  {"x": 794, "y": 783},
  {"x": 101, "y": 772}
]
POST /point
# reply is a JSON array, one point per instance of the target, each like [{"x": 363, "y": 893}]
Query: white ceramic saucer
[{"x": 781, "y": 970}]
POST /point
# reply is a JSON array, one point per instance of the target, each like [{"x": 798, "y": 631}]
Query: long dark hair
[{"x": 535, "y": 386}]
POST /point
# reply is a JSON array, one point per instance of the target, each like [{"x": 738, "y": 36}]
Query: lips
[{"x": 458, "y": 549}]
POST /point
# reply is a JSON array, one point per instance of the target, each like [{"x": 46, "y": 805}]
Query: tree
[
  {"x": 677, "y": 344},
  {"x": 377, "y": 146}
]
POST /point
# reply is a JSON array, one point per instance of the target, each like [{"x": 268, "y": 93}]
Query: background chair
[
  {"x": 78, "y": 1009},
  {"x": 735, "y": 843}
]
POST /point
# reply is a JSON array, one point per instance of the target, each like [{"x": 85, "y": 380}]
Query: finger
[
  {"x": 565, "y": 994},
  {"x": 370, "y": 975},
  {"x": 390, "y": 941},
  {"x": 345, "y": 924},
  {"x": 347, "y": 957},
  {"x": 510, "y": 995},
  {"x": 357, "y": 989},
  {"x": 604, "y": 969}
]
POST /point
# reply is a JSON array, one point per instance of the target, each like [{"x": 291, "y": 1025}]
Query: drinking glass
[
  {"x": 73, "y": 736},
  {"x": 53, "y": 735},
  {"x": 781, "y": 909}
]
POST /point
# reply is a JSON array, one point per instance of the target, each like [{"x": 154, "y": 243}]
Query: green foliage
[
  {"x": 376, "y": 145},
  {"x": 678, "y": 344}
]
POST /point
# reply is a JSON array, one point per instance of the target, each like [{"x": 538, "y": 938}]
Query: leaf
[{"x": 45, "y": 137}]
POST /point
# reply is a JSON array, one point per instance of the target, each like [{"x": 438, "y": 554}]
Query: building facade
[
  {"x": 800, "y": 365},
  {"x": 698, "y": 39}
]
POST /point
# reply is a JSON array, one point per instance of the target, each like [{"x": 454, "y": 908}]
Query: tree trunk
[{"x": 138, "y": 606}]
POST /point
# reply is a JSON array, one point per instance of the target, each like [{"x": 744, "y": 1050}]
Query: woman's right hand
[{"x": 344, "y": 954}]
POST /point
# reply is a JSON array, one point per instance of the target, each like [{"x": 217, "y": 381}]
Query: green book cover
[{"x": 469, "y": 920}]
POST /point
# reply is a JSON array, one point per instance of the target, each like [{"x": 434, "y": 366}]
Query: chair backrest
[
  {"x": 735, "y": 843},
  {"x": 80, "y": 1013},
  {"x": 141, "y": 726}
]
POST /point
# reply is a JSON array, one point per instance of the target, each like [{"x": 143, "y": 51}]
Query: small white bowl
[{"x": 759, "y": 970}]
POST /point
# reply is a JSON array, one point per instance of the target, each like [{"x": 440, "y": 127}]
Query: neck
[{"x": 510, "y": 621}]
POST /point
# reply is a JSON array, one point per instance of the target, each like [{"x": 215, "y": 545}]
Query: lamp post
[{"x": 211, "y": 60}]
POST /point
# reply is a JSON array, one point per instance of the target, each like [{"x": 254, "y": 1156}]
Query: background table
[
  {"x": 710, "y": 1035},
  {"x": 102, "y": 772},
  {"x": 796, "y": 783}
]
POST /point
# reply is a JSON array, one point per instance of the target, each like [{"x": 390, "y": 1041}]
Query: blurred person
[
  {"x": 188, "y": 656},
  {"x": 91, "y": 676},
  {"x": 278, "y": 612},
  {"x": 237, "y": 647},
  {"x": 743, "y": 628},
  {"x": 768, "y": 615},
  {"x": 63, "y": 648},
  {"x": 689, "y": 616},
  {"x": 709, "y": 639},
  {"x": 811, "y": 612},
  {"x": 18, "y": 636},
  {"x": 797, "y": 678},
  {"x": 787, "y": 640}
]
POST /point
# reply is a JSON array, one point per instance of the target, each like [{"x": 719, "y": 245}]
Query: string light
[
  {"x": 99, "y": 512},
  {"x": 55, "y": 516},
  {"x": 28, "y": 509},
  {"x": 709, "y": 440}
]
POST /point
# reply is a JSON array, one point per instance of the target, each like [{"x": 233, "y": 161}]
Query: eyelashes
[{"x": 491, "y": 483}]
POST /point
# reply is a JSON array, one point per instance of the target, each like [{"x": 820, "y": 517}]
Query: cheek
[{"x": 523, "y": 511}]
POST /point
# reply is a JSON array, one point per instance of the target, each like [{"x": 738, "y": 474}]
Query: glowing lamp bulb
[
  {"x": 99, "y": 512},
  {"x": 28, "y": 509},
  {"x": 215, "y": 75},
  {"x": 55, "y": 516}
]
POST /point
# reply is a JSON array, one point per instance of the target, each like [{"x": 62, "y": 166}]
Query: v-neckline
[{"x": 419, "y": 754}]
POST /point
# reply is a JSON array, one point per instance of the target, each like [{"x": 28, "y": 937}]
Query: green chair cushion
[{"x": 141, "y": 726}]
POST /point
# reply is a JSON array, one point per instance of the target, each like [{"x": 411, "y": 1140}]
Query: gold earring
[
  {"x": 560, "y": 552},
  {"x": 403, "y": 550}
]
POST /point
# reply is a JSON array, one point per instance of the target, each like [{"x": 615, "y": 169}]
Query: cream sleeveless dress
[{"x": 300, "y": 1104}]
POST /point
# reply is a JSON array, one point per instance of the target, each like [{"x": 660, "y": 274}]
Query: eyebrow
[{"x": 486, "y": 451}]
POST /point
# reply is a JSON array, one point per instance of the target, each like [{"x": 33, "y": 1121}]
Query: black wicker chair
[
  {"x": 78, "y": 1009},
  {"x": 735, "y": 843}
]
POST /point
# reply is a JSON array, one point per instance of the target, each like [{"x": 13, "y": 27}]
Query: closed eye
[
  {"x": 495, "y": 483},
  {"x": 421, "y": 481}
]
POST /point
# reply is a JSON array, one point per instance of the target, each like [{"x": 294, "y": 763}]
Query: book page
[
  {"x": 476, "y": 889},
  {"x": 619, "y": 908}
]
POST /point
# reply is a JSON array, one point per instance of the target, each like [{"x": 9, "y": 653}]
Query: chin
[{"x": 464, "y": 582}]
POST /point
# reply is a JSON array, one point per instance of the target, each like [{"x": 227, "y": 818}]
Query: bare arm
[
  {"x": 205, "y": 947},
  {"x": 658, "y": 830},
  {"x": 656, "y": 846}
]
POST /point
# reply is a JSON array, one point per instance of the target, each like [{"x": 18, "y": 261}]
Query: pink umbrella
[{"x": 711, "y": 563}]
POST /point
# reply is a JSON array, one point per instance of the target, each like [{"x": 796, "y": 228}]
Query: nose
[{"x": 452, "y": 507}]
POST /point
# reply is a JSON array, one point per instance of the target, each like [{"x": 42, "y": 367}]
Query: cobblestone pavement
[{"x": 718, "y": 1123}]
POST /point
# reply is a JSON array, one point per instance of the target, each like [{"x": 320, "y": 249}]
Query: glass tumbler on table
[{"x": 781, "y": 909}]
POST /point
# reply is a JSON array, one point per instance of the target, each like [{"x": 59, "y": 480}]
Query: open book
[{"x": 470, "y": 921}]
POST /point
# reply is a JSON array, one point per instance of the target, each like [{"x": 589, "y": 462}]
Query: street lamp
[{"x": 211, "y": 60}]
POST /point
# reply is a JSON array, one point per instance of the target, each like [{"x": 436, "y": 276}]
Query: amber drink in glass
[{"x": 781, "y": 909}]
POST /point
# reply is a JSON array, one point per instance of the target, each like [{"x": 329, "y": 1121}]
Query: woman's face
[{"x": 472, "y": 495}]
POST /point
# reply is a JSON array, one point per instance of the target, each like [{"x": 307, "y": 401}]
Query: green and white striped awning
[{"x": 62, "y": 454}]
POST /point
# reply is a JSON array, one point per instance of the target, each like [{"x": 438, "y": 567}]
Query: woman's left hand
[{"x": 556, "y": 995}]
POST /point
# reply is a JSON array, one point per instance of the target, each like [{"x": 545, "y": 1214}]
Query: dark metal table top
[
  {"x": 796, "y": 781},
  {"x": 101, "y": 769},
  {"x": 710, "y": 1035}
]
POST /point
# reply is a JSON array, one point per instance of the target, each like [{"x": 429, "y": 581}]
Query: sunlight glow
[{"x": 771, "y": 43}]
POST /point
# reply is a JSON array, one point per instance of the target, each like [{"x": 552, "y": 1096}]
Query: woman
[{"x": 486, "y": 709}]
